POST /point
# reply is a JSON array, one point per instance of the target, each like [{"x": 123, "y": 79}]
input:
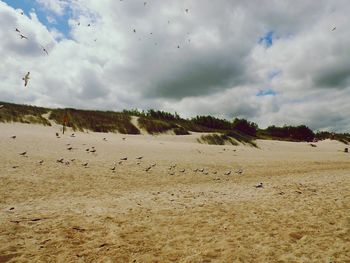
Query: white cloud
[{"x": 218, "y": 69}]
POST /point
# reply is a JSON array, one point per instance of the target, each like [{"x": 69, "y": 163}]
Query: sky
[{"x": 273, "y": 62}]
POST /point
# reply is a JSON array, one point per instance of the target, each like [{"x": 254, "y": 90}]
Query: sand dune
[{"x": 65, "y": 212}]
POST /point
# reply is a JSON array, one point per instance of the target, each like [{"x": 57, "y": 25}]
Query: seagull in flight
[
  {"x": 22, "y": 36},
  {"x": 17, "y": 30},
  {"x": 334, "y": 28},
  {"x": 44, "y": 50},
  {"x": 26, "y": 79}
]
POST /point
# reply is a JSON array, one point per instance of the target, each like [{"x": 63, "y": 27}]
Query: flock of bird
[
  {"x": 172, "y": 169},
  {"x": 22, "y": 36}
]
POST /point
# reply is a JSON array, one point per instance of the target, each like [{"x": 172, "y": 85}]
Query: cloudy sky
[{"x": 270, "y": 61}]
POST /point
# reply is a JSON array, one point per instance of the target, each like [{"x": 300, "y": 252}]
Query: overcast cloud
[{"x": 273, "y": 62}]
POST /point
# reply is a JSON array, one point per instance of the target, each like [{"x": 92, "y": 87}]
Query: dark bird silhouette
[
  {"x": 104, "y": 139},
  {"x": 41, "y": 162},
  {"x": 44, "y": 50},
  {"x": 60, "y": 160},
  {"x": 17, "y": 30},
  {"x": 89, "y": 25},
  {"x": 85, "y": 164},
  {"x": 124, "y": 159},
  {"x": 23, "y": 37},
  {"x": 13, "y": 137},
  {"x": 334, "y": 28},
  {"x": 93, "y": 151},
  {"x": 26, "y": 79},
  {"x": 70, "y": 148},
  {"x": 139, "y": 158},
  {"x": 134, "y": 30},
  {"x": 23, "y": 153},
  {"x": 113, "y": 168}
]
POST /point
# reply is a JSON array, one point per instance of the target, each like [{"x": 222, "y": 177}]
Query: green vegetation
[
  {"x": 156, "y": 122},
  {"x": 217, "y": 139},
  {"x": 289, "y": 133},
  {"x": 23, "y": 113},
  {"x": 342, "y": 137},
  {"x": 97, "y": 121}
]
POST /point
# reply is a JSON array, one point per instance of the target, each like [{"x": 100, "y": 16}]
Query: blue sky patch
[
  {"x": 266, "y": 92},
  {"x": 267, "y": 39},
  {"x": 28, "y": 6}
]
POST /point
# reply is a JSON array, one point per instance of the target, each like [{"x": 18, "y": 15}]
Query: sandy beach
[{"x": 196, "y": 202}]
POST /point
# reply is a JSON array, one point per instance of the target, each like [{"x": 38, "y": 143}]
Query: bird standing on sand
[
  {"x": 260, "y": 185},
  {"x": 26, "y": 79}
]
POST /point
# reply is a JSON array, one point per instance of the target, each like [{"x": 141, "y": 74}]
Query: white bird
[{"x": 26, "y": 79}]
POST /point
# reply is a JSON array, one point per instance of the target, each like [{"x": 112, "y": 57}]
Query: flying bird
[
  {"x": 23, "y": 153},
  {"x": 23, "y": 37},
  {"x": 17, "y": 30},
  {"x": 334, "y": 28},
  {"x": 44, "y": 50},
  {"x": 26, "y": 79}
]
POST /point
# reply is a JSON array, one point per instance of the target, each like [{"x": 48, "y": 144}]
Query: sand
[{"x": 58, "y": 212}]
